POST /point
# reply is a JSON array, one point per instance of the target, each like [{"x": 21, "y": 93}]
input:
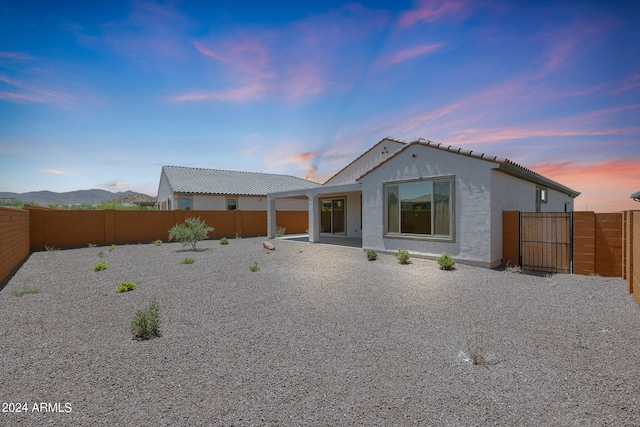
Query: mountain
[{"x": 90, "y": 197}]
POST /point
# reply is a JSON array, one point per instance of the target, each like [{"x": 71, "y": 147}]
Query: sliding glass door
[{"x": 332, "y": 216}]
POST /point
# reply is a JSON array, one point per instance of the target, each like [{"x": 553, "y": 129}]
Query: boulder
[{"x": 268, "y": 245}]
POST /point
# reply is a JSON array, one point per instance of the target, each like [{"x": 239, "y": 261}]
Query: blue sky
[{"x": 103, "y": 96}]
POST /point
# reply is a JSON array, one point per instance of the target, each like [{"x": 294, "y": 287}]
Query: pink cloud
[
  {"x": 605, "y": 185},
  {"x": 566, "y": 45},
  {"x": 150, "y": 32},
  {"x": 247, "y": 55},
  {"x": 24, "y": 91},
  {"x": 295, "y": 61},
  {"x": 285, "y": 157},
  {"x": 406, "y": 54},
  {"x": 303, "y": 81},
  {"x": 118, "y": 185},
  {"x": 629, "y": 83},
  {"x": 432, "y": 11},
  {"x": 55, "y": 171},
  {"x": 242, "y": 94},
  {"x": 16, "y": 56}
]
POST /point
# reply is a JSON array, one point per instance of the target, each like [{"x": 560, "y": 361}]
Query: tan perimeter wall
[
  {"x": 597, "y": 243},
  {"x": 636, "y": 256},
  {"x": 511, "y": 238},
  {"x": 71, "y": 229},
  {"x": 598, "y": 246},
  {"x": 631, "y": 252},
  {"x": 14, "y": 240}
]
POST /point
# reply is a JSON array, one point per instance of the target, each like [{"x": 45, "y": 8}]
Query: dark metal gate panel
[{"x": 545, "y": 241}]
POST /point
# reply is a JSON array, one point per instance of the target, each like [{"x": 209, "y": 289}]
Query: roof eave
[
  {"x": 386, "y": 138},
  {"x": 519, "y": 172}
]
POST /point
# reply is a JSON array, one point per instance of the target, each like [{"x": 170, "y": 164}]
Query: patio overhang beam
[{"x": 313, "y": 195}]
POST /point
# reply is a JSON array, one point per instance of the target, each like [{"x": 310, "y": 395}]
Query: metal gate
[{"x": 546, "y": 241}]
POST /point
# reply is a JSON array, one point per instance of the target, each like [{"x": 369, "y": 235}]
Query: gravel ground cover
[{"x": 318, "y": 336}]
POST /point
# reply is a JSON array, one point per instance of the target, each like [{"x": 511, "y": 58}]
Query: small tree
[{"x": 191, "y": 232}]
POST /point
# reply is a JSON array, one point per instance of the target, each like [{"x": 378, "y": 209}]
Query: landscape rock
[{"x": 268, "y": 245}]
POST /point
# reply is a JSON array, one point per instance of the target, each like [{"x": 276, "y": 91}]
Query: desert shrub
[
  {"x": 188, "y": 261},
  {"x": 372, "y": 255},
  {"x": 224, "y": 241},
  {"x": 513, "y": 269},
  {"x": 191, "y": 232},
  {"x": 578, "y": 342},
  {"x": 403, "y": 256},
  {"x": 280, "y": 231},
  {"x": 254, "y": 267},
  {"x": 25, "y": 290},
  {"x": 111, "y": 248},
  {"x": 146, "y": 323},
  {"x": 100, "y": 266},
  {"x": 126, "y": 287},
  {"x": 446, "y": 261},
  {"x": 158, "y": 243}
]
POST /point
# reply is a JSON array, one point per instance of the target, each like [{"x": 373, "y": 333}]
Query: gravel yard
[{"x": 318, "y": 336}]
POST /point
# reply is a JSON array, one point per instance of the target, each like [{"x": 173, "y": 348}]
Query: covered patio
[{"x": 335, "y": 214}]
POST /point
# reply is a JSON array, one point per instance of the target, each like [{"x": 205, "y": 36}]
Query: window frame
[
  {"x": 542, "y": 197},
  {"x": 543, "y": 194},
  {"x": 190, "y": 203},
  {"x": 235, "y": 205},
  {"x": 450, "y": 238}
]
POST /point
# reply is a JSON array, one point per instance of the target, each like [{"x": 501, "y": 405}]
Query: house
[
  {"x": 213, "y": 189},
  {"x": 428, "y": 198}
]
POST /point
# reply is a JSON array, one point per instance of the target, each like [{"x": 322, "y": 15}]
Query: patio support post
[
  {"x": 314, "y": 218},
  {"x": 271, "y": 217}
]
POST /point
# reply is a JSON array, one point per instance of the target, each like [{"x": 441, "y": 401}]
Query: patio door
[{"x": 332, "y": 216}]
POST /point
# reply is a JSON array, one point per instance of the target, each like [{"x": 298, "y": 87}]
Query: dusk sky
[{"x": 102, "y": 94}]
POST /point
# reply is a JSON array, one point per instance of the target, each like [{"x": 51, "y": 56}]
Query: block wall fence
[
  {"x": 14, "y": 240},
  {"x": 604, "y": 244},
  {"x": 24, "y": 231},
  {"x": 631, "y": 252}
]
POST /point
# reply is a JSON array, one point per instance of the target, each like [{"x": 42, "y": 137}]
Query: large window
[{"x": 420, "y": 208}]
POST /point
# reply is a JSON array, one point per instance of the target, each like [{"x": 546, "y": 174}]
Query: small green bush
[
  {"x": 100, "y": 266},
  {"x": 224, "y": 241},
  {"x": 254, "y": 267},
  {"x": 146, "y": 323},
  {"x": 446, "y": 261},
  {"x": 403, "y": 256},
  {"x": 158, "y": 243},
  {"x": 111, "y": 248},
  {"x": 126, "y": 287},
  {"x": 280, "y": 231},
  {"x": 25, "y": 290},
  {"x": 372, "y": 255},
  {"x": 188, "y": 261},
  {"x": 191, "y": 232}
]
